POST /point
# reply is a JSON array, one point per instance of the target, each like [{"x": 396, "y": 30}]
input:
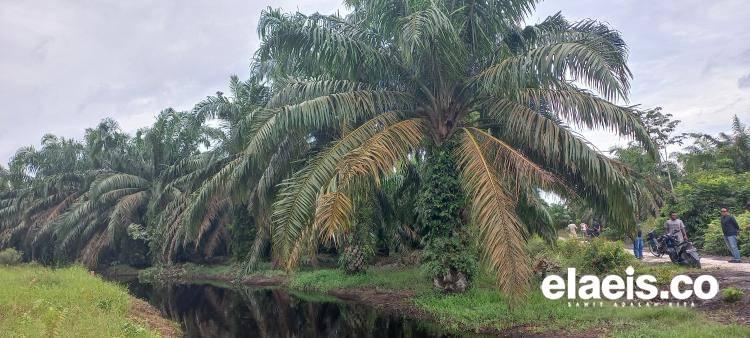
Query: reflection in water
[{"x": 211, "y": 311}]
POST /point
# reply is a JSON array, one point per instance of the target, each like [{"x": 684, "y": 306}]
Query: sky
[{"x": 65, "y": 65}]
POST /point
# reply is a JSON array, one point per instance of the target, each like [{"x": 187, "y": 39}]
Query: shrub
[
  {"x": 599, "y": 256},
  {"x": 536, "y": 246},
  {"x": 732, "y": 294},
  {"x": 602, "y": 256},
  {"x": 10, "y": 257},
  {"x": 713, "y": 240}
]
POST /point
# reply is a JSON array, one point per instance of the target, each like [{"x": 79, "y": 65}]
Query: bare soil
[{"x": 143, "y": 313}]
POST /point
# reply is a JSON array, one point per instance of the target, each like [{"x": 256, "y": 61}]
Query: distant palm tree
[
  {"x": 737, "y": 145},
  {"x": 4, "y": 179},
  {"x": 225, "y": 180},
  {"x": 727, "y": 150},
  {"x": 397, "y": 79},
  {"x": 125, "y": 187}
]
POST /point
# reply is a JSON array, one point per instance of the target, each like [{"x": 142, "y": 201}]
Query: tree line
[{"x": 403, "y": 125}]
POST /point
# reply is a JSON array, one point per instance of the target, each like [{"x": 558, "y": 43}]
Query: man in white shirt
[
  {"x": 675, "y": 226},
  {"x": 572, "y": 228}
]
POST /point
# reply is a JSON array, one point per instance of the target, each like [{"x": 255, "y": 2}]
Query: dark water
[{"x": 215, "y": 311}]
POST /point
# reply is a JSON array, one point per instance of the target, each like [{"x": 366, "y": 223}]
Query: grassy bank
[
  {"x": 483, "y": 309},
  {"x": 42, "y": 302}
]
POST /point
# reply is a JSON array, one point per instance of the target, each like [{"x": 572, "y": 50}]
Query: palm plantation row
[{"x": 404, "y": 124}]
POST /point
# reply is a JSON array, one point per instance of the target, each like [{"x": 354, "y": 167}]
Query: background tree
[
  {"x": 727, "y": 151},
  {"x": 660, "y": 127},
  {"x": 715, "y": 176},
  {"x": 4, "y": 179}
]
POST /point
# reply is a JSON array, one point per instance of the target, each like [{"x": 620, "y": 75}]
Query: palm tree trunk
[
  {"x": 669, "y": 171},
  {"x": 447, "y": 256}
]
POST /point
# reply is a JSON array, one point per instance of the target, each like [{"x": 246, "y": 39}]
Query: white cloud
[
  {"x": 66, "y": 65},
  {"x": 686, "y": 56}
]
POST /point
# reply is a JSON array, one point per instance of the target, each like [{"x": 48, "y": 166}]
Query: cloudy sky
[{"x": 65, "y": 65}]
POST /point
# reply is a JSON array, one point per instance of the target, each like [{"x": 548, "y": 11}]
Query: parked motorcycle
[{"x": 679, "y": 252}]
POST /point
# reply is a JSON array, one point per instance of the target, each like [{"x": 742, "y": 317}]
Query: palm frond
[
  {"x": 493, "y": 214},
  {"x": 296, "y": 198},
  {"x": 383, "y": 151}
]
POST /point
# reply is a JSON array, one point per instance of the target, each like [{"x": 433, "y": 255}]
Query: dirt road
[
  {"x": 707, "y": 262},
  {"x": 729, "y": 275}
]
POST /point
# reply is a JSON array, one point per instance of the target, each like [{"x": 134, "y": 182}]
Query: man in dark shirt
[
  {"x": 730, "y": 228},
  {"x": 597, "y": 228}
]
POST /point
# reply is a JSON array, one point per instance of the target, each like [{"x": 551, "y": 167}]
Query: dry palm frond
[
  {"x": 94, "y": 247},
  {"x": 493, "y": 214},
  {"x": 295, "y": 203},
  {"x": 515, "y": 166},
  {"x": 333, "y": 216},
  {"x": 383, "y": 150}
]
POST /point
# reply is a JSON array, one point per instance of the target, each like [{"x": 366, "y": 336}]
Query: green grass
[
  {"x": 383, "y": 278},
  {"x": 37, "y": 301},
  {"x": 483, "y": 307},
  {"x": 486, "y": 308},
  {"x": 662, "y": 271}
]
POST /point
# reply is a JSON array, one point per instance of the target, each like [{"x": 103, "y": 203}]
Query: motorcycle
[{"x": 679, "y": 252}]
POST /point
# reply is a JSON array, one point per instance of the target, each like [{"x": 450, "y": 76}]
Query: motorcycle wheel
[
  {"x": 674, "y": 258},
  {"x": 691, "y": 259},
  {"x": 653, "y": 250}
]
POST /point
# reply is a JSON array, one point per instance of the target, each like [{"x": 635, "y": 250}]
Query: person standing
[
  {"x": 585, "y": 230},
  {"x": 730, "y": 228},
  {"x": 638, "y": 244},
  {"x": 675, "y": 226},
  {"x": 572, "y": 228},
  {"x": 597, "y": 229}
]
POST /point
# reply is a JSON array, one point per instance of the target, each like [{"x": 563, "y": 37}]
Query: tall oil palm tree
[
  {"x": 221, "y": 183},
  {"x": 395, "y": 79}
]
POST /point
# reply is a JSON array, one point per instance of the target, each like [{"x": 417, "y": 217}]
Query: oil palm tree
[
  {"x": 395, "y": 79},
  {"x": 4, "y": 179},
  {"x": 723, "y": 151},
  {"x": 736, "y": 146},
  {"x": 42, "y": 185},
  {"x": 130, "y": 187},
  {"x": 214, "y": 194}
]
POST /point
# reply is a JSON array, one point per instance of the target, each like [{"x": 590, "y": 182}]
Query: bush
[
  {"x": 732, "y": 294},
  {"x": 599, "y": 256},
  {"x": 536, "y": 246},
  {"x": 713, "y": 240},
  {"x": 602, "y": 256},
  {"x": 10, "y": 257}
]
